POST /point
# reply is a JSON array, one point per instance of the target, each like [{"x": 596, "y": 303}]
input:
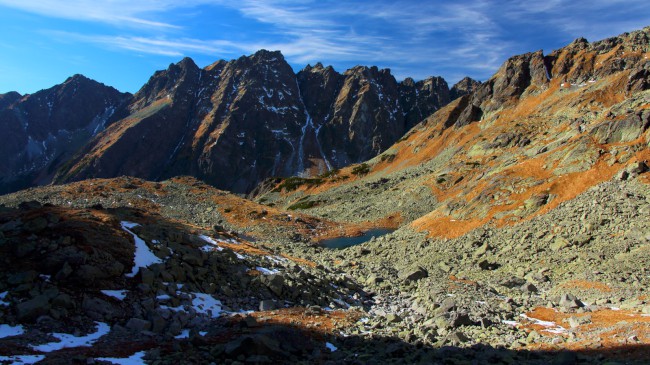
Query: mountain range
[{"x": 231, "y": 124}]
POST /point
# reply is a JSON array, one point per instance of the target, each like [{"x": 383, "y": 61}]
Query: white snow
[
  {"x": 143, "y": 255},
  {"x": 22, "y": 359},
  {"x": 175, "y": 309},
  {"x": 2, "y": 298},
  {"x": 239, "y": 256},
  {"x": 277, "y": 259},
  {"x": 184, "y": 334},
  {"x": 117, "y": 294},
  {"x": 331, "y": 347},
  {"x": 510, "y": 323},
  {"x": 206, "y": 304},
  {"x": 135, "y": 359},
  {"x": 266, "y": 271},
  {"x": 163, "y": 297},
  {"x": 8, "y": 331},
  {"x": 552, "y": 326},
  {"x": 212, "y": 241},
  {"x": 68, "y": 340},
  {"x": 203, "y": 333}
]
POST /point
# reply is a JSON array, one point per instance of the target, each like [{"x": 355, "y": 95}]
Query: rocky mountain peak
[
  {"x": 463, "y": 87},
  {"x": 9, "y": 98}
]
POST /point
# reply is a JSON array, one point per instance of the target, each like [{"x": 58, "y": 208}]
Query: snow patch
[
  {"x": 3, "y": 295},
  {"x": 9, "y": 331},
  {"x": 277, "y": 259},
  {"x": 117, "y": 294},
  {"x": 143, "y": 255},
  {"x": 67, "y": 340},
  {"x": 331, "y": 347},
  {"x": 206, "y": 304},
  {"x": 266, "y": 271},
  {"x": 135, "y": 359},
  {"x": 22, "y": 359},
  {"x": 214, "y": 244},
  {"x": 184, "y": 334},
  {"x": 552, "y": 327}
]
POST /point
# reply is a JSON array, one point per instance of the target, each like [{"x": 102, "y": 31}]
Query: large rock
[
  {"x": 29, "y": 310},
  {"x": 627, "y": 129},
  {"x": 413, "y": 274}
]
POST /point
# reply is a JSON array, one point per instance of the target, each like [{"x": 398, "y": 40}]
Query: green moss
[
  {"x": 292, "y": 183},
  {"x": 329, "y": 174},
  {"x": 304, "y": 204},
  {"x": 361, "y": 169},
  {"x": 387, "y": 157}
]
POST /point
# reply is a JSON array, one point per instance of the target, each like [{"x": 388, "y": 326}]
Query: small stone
[
  {"x": 579, "y": 321},
  {"x": 559, "y": 244},
  {"x": 250, "y": 322},
  {"x": 267, "y": 305},
  {"x": 570, "y": 301},
  {"x": 528, "y": 288},
  {"x": 481, "y": 250},
  {"x": 138, "y": 325},
  {"x": 392, "y": 318}
]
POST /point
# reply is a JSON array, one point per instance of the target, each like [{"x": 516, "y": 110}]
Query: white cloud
[
  {"x": 158, "y": 46},
  {"x": 135, "y": 13},
  {"x": 469, "y": 36}
]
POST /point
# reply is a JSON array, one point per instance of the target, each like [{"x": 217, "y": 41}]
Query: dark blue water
[{"x": 343, "y": 242}]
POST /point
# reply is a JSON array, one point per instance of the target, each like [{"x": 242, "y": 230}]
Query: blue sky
[{"x": 122, "y": 42}]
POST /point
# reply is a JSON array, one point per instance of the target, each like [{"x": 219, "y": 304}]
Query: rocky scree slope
[
  {"x": 572, "y": 273},
  {"x": 542, "y": 130},
  {"x": 235, "y": 123},
  {"x": 411, "y": 297},
  {"x": 110, "y": 283},
  {"x": 43, "y": 130}
]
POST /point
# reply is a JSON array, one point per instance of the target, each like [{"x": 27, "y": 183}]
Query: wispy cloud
[
  {"x": 136, "y": 13},
  {"x": 455, "y": 38},
  {"x": 158, "y": 46}
]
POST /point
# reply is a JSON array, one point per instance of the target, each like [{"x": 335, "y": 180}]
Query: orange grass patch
[
  {"x": 323, "y": 322},
  {"x": 589, "y": 285},
  {"x": 608, "y": 330}
]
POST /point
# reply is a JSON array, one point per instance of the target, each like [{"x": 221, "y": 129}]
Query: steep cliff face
[
  {"x": 234, "y": 124},
  {"x": 463, "y": 87},
  {"x": 42, "y": 130},
  {"x": 421, "y": 99}
]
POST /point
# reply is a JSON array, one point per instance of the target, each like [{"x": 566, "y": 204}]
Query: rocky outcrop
[
  {"x": 421, "y": 99},
  {"x": 42, "y": 130},
  {"x": 576, "y": 64},
  {"x": 463, "y": 87}
]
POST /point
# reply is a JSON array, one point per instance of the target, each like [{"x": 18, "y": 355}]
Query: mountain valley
[{"x": 517, "y": 212}]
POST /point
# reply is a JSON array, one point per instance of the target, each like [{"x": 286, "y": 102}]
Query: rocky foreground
[{"x": 87, "y": 275}]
